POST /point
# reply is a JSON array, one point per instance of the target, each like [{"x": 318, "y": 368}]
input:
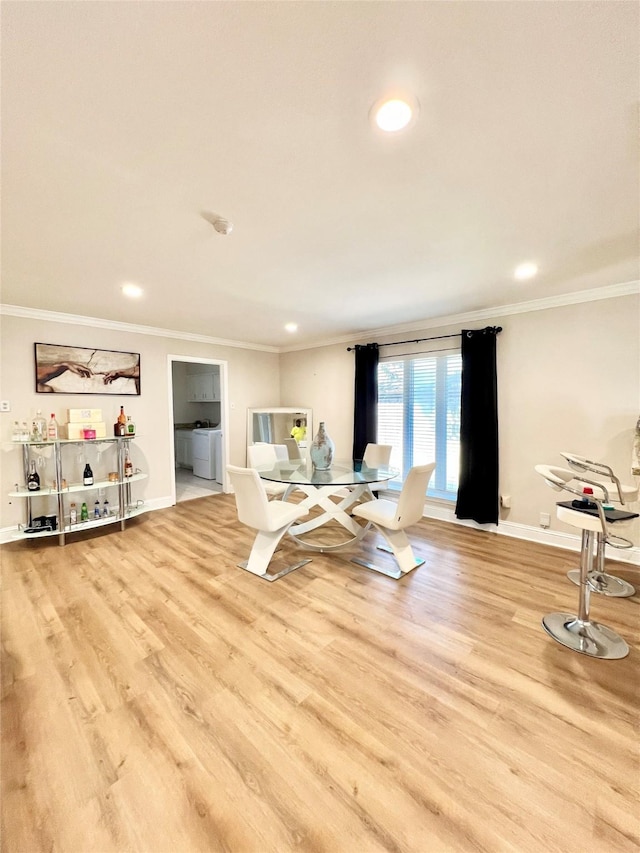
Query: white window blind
[{"x": 419, "y": 415}]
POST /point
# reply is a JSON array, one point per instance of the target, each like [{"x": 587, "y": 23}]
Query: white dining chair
[
  {"x": 392, "y": 519},
  {"x": 271, "y": 520},
  {"x": 293, "y": 449},
  {"x": 265, "y": 456},
  {"x": 377, "y": 456}
]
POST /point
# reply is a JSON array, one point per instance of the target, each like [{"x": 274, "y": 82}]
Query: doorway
[{"x": 198, "y": 401}]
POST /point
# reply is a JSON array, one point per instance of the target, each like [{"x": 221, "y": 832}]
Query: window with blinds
[{"x": 419, "y": 415}]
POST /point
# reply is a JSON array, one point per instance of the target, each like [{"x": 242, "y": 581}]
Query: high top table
[{"x": 349, "y": 480}]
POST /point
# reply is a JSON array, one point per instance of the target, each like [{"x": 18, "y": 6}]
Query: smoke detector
[{"x": 222, "y": 226}]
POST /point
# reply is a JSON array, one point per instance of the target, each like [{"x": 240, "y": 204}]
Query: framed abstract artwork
[{"x": 80, "y": 370}]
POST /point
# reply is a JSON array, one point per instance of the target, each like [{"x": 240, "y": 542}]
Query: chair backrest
[
  {"x": 261, "y": 455},
  {"x": 377, "y": 455},
  {"x": 555, "y": 477},
  {"x": 411, "y": 500},
  {"x": 292, "y": 448},
  {"x": 251, "y": 499},
  {"x": 622, "y": 493},
  {"x": 282, "y": 452}
]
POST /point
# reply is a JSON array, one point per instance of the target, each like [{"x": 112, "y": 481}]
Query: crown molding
[
  {"x": 131, "y": 328},
  {"x": 628, "y": 288},
  {"x": 612, "y": 291}
]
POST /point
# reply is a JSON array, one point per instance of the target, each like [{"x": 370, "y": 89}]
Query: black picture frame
[{"x": 63, "y": 369}]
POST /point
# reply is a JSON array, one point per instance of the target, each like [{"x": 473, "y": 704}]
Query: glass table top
[{"x": 341, "y": 473}]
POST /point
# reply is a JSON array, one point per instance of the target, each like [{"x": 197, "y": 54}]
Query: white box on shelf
[{"x": 79, "y": 416}]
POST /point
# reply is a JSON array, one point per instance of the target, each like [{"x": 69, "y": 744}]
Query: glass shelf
[
  {"x": 78, "y": 487},
  {"x": 92, "y": 523},
  {"x": 109, "y": 438}
]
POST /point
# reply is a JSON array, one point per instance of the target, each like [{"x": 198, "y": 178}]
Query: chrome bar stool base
[
  {"x": 604, "y": 583},
  {"x": 588, "y": 638}
]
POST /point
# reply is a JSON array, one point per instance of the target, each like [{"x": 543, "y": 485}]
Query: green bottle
[{"x": 84, "y": 513}]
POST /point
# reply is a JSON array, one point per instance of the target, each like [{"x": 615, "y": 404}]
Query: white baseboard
[{"x": 555, "y": 538}]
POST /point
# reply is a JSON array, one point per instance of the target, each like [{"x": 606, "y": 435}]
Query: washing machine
[{"x": 207, "y": 454}]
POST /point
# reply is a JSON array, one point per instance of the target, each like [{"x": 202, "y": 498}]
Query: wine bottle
[
  {"x": 87, "y": 477},
  {"x": 52, "y": 428},
  {"x": 33, "y": 480}
]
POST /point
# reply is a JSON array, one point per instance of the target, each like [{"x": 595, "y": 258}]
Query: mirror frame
[{"x": 282, "y": 410}]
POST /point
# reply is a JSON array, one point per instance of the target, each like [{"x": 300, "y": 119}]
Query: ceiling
[{"x": 123, "y": 123}]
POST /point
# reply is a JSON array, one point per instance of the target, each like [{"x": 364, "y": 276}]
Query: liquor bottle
[
  {"x": 128, "y": 466},
  {"x": 73, "y": 514},
  {"x": 96, "y": 509},
  {"x": 122, "y": 418},
  {"x": 105, "y": 509},
  {"x": 26, "y": 435},
  {"x": 38, "y": 427},
  {"x": 17, "y": 432},
  {"x": 33, "y": 480},
  {"x": 84, "y": 512},
  {"x": 131, "y": 427},
  {"x": 87, "y": 477},
  {"x": 52, "y": 428}
]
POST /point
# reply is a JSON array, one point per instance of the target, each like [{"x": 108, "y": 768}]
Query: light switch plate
[{"x": 5, "y": 406}]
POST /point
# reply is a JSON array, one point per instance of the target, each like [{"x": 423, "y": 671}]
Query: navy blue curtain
[
  {"x": 365, "y": 413},
  {"x": 478, "y": 487}
]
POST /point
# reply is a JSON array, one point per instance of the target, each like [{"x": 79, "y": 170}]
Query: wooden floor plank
[{"x": 158, "y": 698}]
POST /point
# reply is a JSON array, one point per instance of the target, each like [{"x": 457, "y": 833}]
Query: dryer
[{"x": 207, "y": 454}]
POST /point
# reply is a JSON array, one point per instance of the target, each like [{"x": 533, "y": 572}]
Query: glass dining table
[{"x": 333, "y": 492}]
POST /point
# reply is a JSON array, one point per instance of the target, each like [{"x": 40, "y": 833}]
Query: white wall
[
  {"x": 253, "y": 378},
  {"x": 568, "y": 379}
]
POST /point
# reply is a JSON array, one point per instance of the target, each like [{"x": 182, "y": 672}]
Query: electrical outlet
[
  {"x": 545, "y": 519},
  {"x": 5, "y": 406},
  {"x": 505, "y": 501}
]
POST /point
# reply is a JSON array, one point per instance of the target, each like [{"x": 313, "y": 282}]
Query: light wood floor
[{"x": 157, "y": 698}]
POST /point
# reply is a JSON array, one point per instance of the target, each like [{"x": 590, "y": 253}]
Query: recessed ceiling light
[
  {"x": 393, "y": 114},
  {"x": 132, "y": 290},
  {"x": 291, "y": 327},
  {"x": 526, "y": 270}
]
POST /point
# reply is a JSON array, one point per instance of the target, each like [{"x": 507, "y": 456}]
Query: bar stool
[
  {"x": 612, "y": 491},
  {"x": 577, "y": 631}
]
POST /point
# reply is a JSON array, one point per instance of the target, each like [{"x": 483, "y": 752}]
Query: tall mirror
[{"x": 274, "y": 425}]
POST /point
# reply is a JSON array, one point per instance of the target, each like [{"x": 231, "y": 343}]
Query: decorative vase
[{"x": 321, "y": 450}]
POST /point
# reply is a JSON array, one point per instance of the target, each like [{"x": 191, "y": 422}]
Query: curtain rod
[{"x": 495, "y": 329}]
